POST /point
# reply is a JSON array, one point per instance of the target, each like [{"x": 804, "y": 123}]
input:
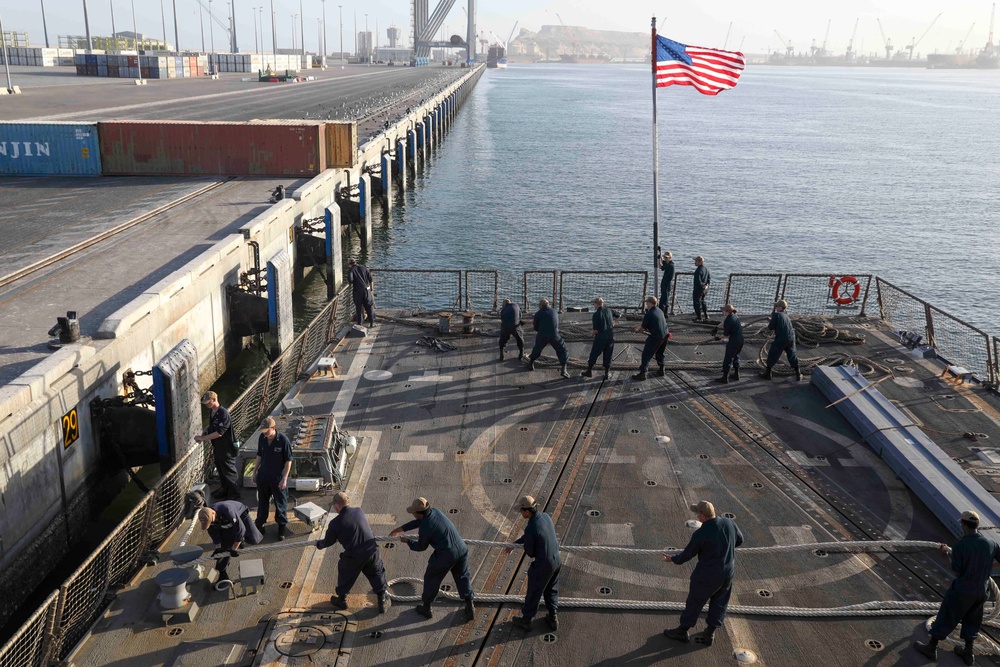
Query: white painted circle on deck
[
  {"x": 378, "y": 375},
  {"x": 911, "y": 383}
]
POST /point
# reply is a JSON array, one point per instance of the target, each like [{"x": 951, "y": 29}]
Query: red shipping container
[
  {"x": 283, "y": 148},
  {"x": 193, "y": 61},
  {"x": 133, "y": 61}
]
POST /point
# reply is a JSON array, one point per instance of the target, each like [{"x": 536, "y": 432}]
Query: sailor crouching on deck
[
  {"x": 712, "y": 580},
  {"x": 542, "y": 546},
  {"x": 972, "y": 559},
  {"x": 228, "y": 524},
  {"x": 546, "y": 324},
  {"x": 451, "y": 554},
  {"x": 360, "y": 555}
]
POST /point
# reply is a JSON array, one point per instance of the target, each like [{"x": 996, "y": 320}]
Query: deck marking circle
[
  {"x": 300, "y": 642},
  {"x": 378, "y": 375},
  {"x": 909, "y": 382}
]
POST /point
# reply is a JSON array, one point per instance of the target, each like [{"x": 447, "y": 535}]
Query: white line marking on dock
[
  {"x": 354, "y": 374},
  {"x": 607, "y": 457},
  {"x": 541, "y": 454},
  {"x": 430, "y": 376},
  {"x": 416, "y": 453}
]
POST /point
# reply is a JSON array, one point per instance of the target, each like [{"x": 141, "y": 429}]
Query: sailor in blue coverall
[
  {"x": 732, "y": 329},
  {"x": 714, "y": 543},
  {"x": 274, "y": 462},
  {"x": 350, "y": 528},
  {"x": 546, "y": 323},
  {"x": 654, "y": 323},
  {"x": 784, "y": 341},
  {"x": 972, "y": 560},
  {"x": 541, "y": 545},
  {"x": 228, "y": 524},
  {"x": 604, "y": 337},
  {"x": 450, "y": 554}
]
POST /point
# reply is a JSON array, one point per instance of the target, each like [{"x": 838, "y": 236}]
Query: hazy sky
[{"x": 753, "y": 22}]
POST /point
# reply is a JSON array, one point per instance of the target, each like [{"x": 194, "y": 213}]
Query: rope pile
[{"x": 875, "y": 608}]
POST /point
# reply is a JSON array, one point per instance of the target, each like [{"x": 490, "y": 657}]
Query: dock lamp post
[
  {"x": 302, "y": 28},
  {"x": 341, "y": 36},
  {"x": 325, "y": 52},
  {"x": 255, "y": 45},
  {"x": 201, "y": 23},
  {"x": 114, "y": 32},
  {"x": 211, "y": 31},
  {"x": 45, "y": 27},
  {"x": 260, "y": 12},
  {"x": 368, "y": 46},
  {"x": 274, "y": 32},
  {"x": 86, "y": 24},
  {"x": 6, "y": 58}
]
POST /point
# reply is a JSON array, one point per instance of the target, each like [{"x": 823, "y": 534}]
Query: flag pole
[{"x": 656, "y": 173}]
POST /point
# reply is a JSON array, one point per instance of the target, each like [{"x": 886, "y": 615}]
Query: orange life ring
[{"x": 845, "y": 299}]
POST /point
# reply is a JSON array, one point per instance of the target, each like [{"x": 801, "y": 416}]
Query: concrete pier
[{"x": 143, "y": 280}]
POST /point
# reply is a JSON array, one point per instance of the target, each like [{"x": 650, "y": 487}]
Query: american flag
[{"x": 708, "y": 70}]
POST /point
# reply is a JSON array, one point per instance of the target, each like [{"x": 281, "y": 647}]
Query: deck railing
[{"x": 65, "y": 616}]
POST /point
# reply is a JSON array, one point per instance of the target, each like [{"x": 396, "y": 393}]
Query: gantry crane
[
  {"x": 789, "y": 49},
  {"x": 887, "y": 42},
  {"x": 849, "y": 56},
  {"x": 989, "y": 40},
  {"x": 826, "y": 37},
  {"x": 961, "y": 45},
  {"x": 913, "y": 44}
]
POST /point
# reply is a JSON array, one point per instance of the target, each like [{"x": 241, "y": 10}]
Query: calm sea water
[{"x": 893, "y": 172}]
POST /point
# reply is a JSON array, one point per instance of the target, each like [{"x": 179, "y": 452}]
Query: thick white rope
[{"x": 864, "y": 609}]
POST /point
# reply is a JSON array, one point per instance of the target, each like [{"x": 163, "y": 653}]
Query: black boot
[
  {"x": 383, "y": 602},
  {"x": 338, "y": 602},
  {"x": 736, "y": 373},
  {"x": 563, "y": 372},
  {"x": 501, "y": 354},
  {"x": 680, "y": 633},
  {"x": 589, "y": 373},
  {"x": 424, "y": 610},
  {"x": 798, "y": 374},
  {"x": 724, "y": 379},
  {"x": 470, "y": 610},
  {"x": 531, "y": 364},
  {"x": 553, "y": 620},
  {"x": 521, "y": 356},
  {"x": 704, "y": 313},
  {"x": 928, "y": 650},
  {"x": 767, "y": 373},
  {"x": 661, "y": 372},
  {"x": 707, "y": 637},
  {"x": 282, "y": 532},
  {"x": 640, "y": 376},
  {"x": 522, "y": 622},
  {"x": 966, "y": 653}
]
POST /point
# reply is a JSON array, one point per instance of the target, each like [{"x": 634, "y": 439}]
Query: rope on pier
[{"x": 861, "y": 610}]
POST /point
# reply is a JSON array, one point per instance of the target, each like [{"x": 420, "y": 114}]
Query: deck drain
[
  {"x": 523, "y": 428},
  {"x": 785, "y": 407},
  {"x": 873, "y": 644},
  {"x": 454, "y": 511},
  {"x": 390, "y": 545},
  {"x": 465, "y": 405},
  {"x": 376, "y": 634},
  {"x": 593, "y": 512},
  {"x": 821, "y": 458},
  {"x": 445, "y": 587},
  {"x": 635, "y": 430},
  {"x": 461, "y": 452},
  {"x": 173, "y": 632},
  {"x": 508, "y": 480},
  {"x": 285, "y": 584},
  {"x": 764, "y": 593},
  {"x": 957, "y": 460},
  {"x": 383, "y": 479},
  {"x": 729, "y": 515},
  {"x": 703, "y": 456},
  {"x": 699, "y": 353},
  {"x": 396, "y": 427},
  {"x": 672, "y": 406},
  {"x": 757, "y": 485},
  {"x": 604, "y": 590},
  {"x": 820, "y": 552},
  {"x": 650, "y": 482},
  {"x": 407, "y": 386},
  {"x": 549, "y": 638},
  {"x": 355, "y": 405}
]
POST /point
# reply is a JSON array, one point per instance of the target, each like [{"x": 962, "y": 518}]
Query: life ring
[{"x": 845, "y": 299}]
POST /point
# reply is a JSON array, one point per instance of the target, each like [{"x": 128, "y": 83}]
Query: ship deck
[{"x": 616, "y": 462}]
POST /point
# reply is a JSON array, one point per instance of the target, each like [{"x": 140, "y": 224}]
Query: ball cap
[
  {"x": 969, "y": 516},
  {"x": 527, "y": 503},
  {"x": 704, "y": 507},
  {"x": 267, "y": 422},
  {"x": 418, "y": 505},
  {"x": 209, "y": 396}
]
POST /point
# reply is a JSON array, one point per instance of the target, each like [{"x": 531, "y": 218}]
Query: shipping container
[
  {"x": 341, "y": 144},
  {"x": 166, "y": 148},
  {"x": 49, "y": 148}
]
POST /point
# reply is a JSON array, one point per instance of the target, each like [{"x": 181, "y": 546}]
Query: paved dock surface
[
  {"x": 616, "y": 462},
  {"x": 352, "y": 93},
  {"x": 101, "y": 278}
]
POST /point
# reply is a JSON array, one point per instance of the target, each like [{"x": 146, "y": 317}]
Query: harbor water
[{"x": 885, "y": 171}]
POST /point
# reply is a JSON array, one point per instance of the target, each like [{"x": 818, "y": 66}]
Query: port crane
[
  {"x": 989, "y": 40},
  {"x": 503, "y": 43},
  {"x": 789, "y": 49},
  {"x": 821, "y": 51},
  {"x": 913, "y": 43},
  {"x": 849, "y": 56},
  {"x": 888, "y": 42},
  {"x": 961, "y": 45}
]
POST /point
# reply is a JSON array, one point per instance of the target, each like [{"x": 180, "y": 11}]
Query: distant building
[
  {"x": 393, "y": 34},
  {"x": 366, "y": 46}
]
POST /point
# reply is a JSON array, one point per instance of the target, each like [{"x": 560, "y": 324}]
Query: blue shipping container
[{"x": 28, "y": 149}]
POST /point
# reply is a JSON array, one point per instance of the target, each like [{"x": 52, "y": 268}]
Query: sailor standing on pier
[
  {"x": 351, "y": 530},
  {"x": 604, "y": 337},
  {"x": 972, "y": 560},
  {"x": 784, "y": 341},
  {"x": 542, "y": 546},
  {"x": 451, "y": 554},
  {"x": 510, "y": 325},
  {"x": 546, "y": 324},
  {"x": 714, "y": 543}
]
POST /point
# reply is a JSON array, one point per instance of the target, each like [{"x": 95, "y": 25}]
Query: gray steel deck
[
  {"x": 44, "y": 216},
  {"x": 473, "y": 434}
]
